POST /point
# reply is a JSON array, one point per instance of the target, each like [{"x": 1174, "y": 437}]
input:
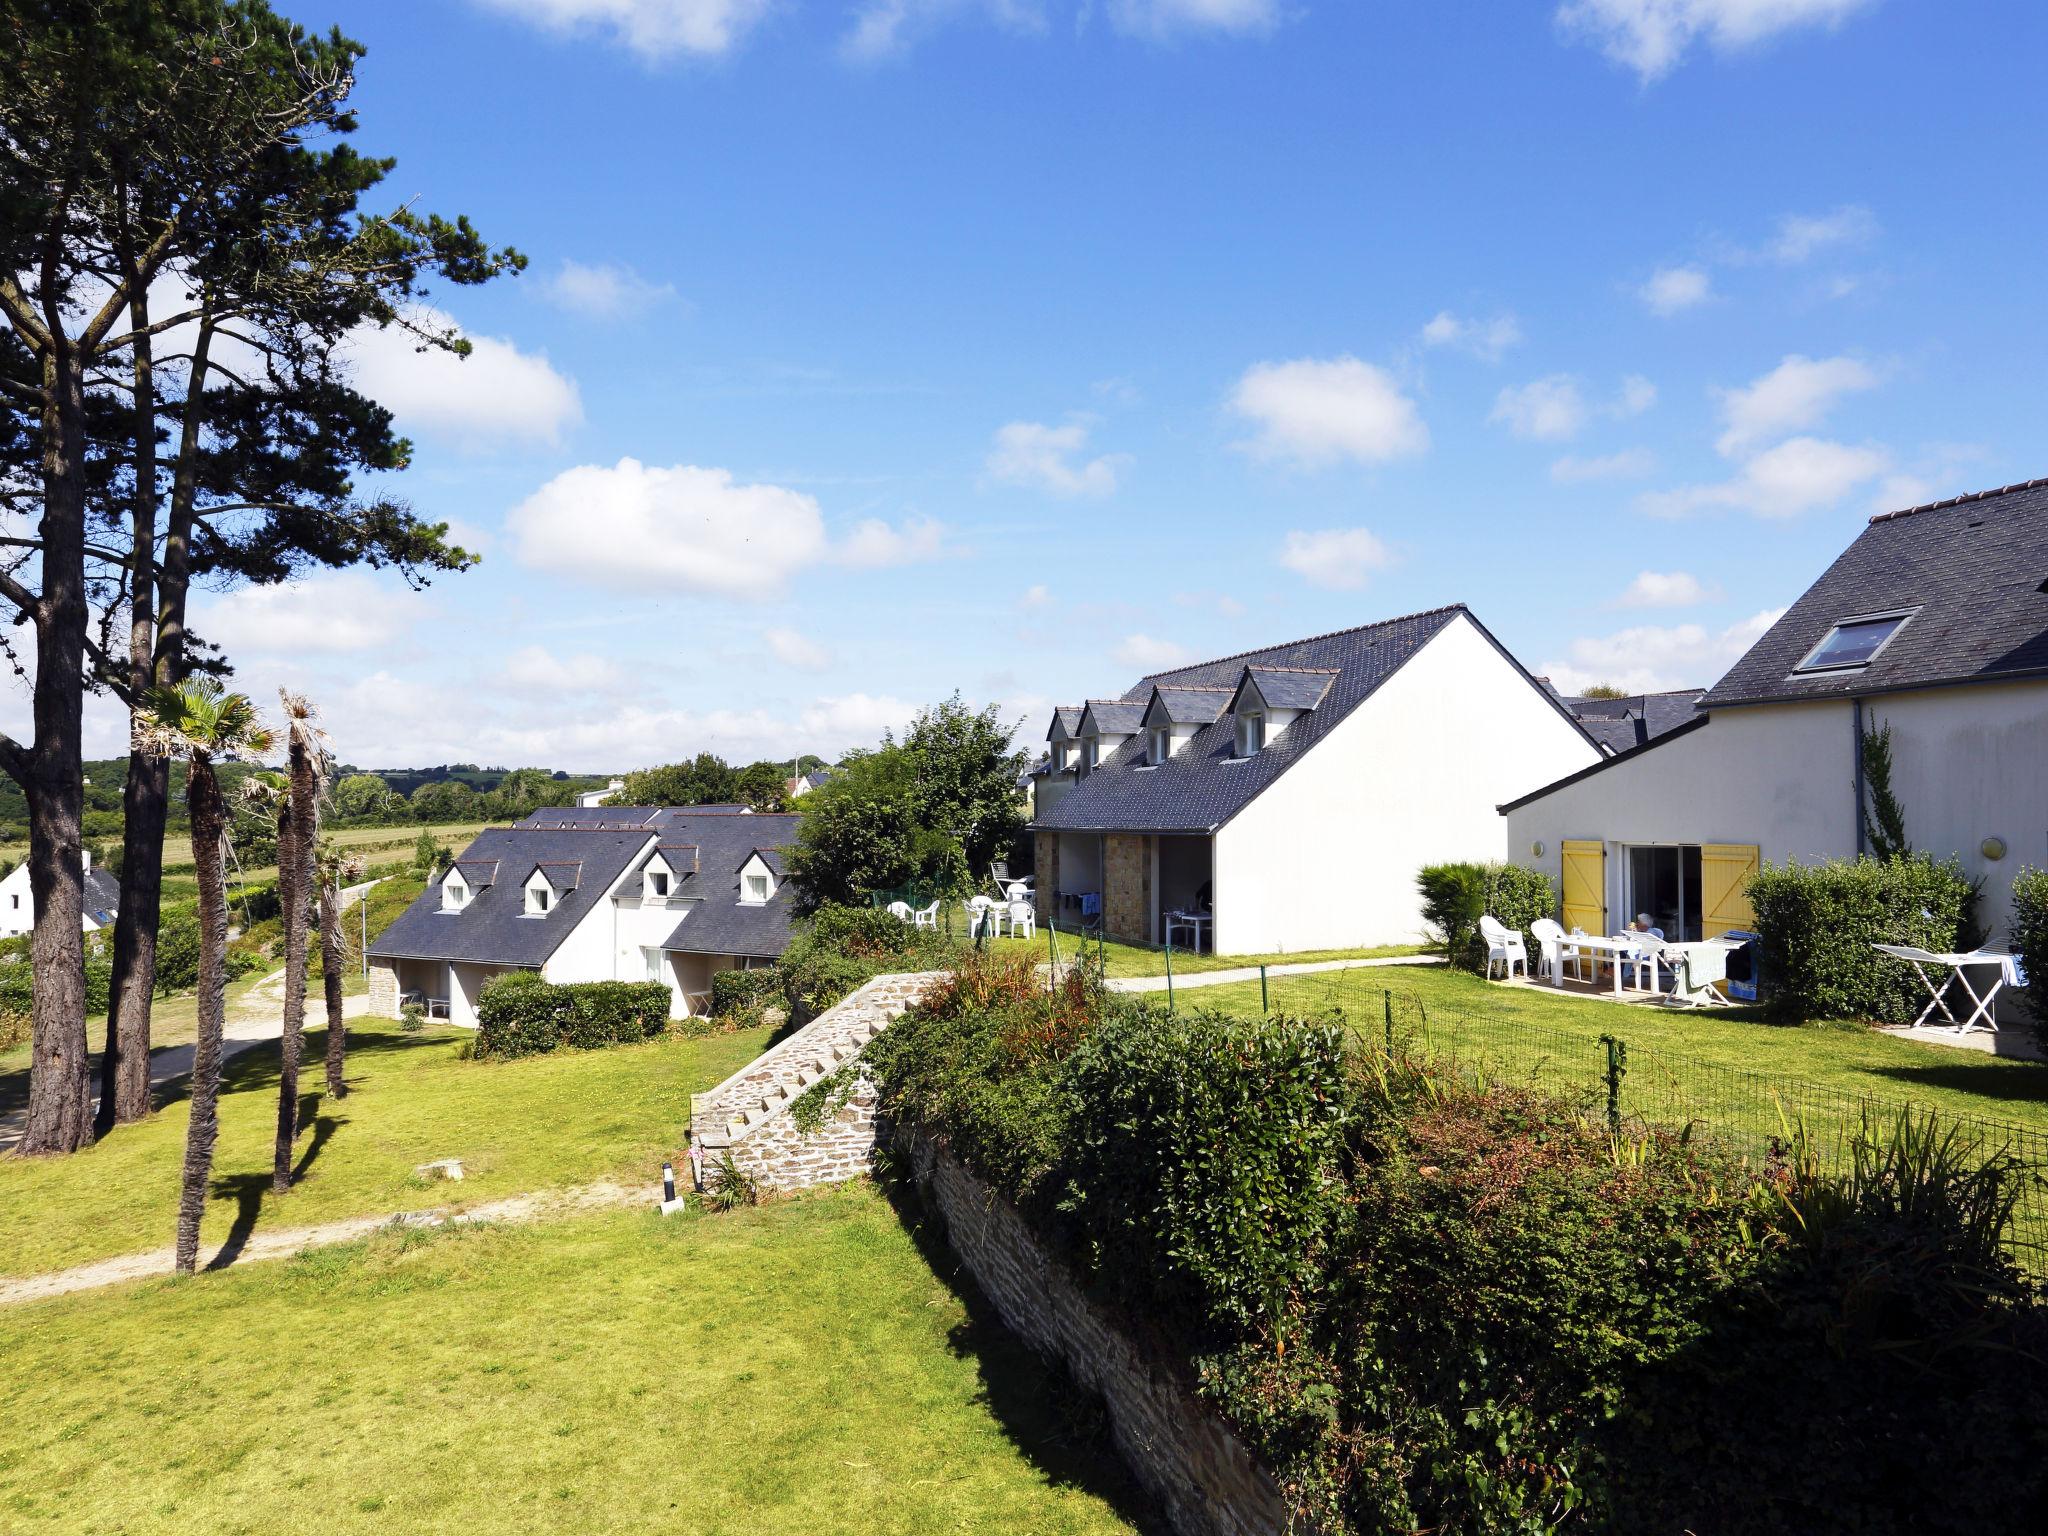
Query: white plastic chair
[
  {"x": 1504, "y": 947},
  {"x": 1556, "y": 949},
  {"x": 1023, "y": 919},
  {"x": 1649, "y": 950},
  {"x": 900, "y": 910},
  {"x": 983, "y": 909},
  {"x": 925, "y": 917}
]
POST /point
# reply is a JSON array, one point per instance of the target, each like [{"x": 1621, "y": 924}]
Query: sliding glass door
[{"x": 1663, "y": 883}]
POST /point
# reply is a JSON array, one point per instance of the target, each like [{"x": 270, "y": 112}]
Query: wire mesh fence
[{"x": 1753, "y": 1116}]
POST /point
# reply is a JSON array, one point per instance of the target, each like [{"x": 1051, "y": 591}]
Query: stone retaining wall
[{"x": 1204, "y": 1478}]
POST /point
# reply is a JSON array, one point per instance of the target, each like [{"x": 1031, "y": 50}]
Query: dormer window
[
  {"x": 1251, "y": 733},
  {"x": 1159, "y": 747},
  {"x": 756, "y": 887},
  {"x": 657, "y": 884},
  {"x": 538, "y": 899},
  {"x": 1853, "y": 642},
  {"x": 1059, "y": 757},
  {"x": 454, "y": 893}
]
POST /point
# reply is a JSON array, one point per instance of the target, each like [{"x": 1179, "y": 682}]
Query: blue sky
[{"x": 876, "y": 349}]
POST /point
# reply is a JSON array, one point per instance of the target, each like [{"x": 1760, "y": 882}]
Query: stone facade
[
  {"x": 1205, "y": 1480},
  {"x": 383, "y": 989},
  {"x": 1045, "y": 864},
  {"x": 1127, "y": 887},
  {"x": 747, "y": 1117}
]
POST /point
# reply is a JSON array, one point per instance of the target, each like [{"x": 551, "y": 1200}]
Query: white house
[
  {"x": 590, "y": 799},
  {"x": 1291, "y": 793},
  {"x": 17, "y": 904},
  {"x": 669, "y": 894},
  {"x": 1933, "y": 622}
]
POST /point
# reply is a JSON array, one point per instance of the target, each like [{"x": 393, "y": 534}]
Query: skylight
[{"x": 1853, "y": 642}]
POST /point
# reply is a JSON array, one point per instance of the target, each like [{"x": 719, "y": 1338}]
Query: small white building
[
  {"x": 590, "y": 799},
  {"x": 1290, "y": 794},
  {"x": 17, "y": 902},
  {"x": 668, "y": 894},
  {"x": 1934, "y": 622}
]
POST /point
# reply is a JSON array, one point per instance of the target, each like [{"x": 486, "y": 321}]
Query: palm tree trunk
[
  {"x": 330, "y": 967},
  {"x": 295, "y": 887},
  {"x": 208, "y": 818}
]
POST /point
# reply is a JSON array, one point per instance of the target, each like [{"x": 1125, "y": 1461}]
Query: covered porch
[{"x": 1143, "y": 887}]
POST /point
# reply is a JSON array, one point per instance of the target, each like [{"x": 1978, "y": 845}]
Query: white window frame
[
  {"x": 767, "y": 883},
  {"x": 1251, "y": 732},
  {"x": 651, "y": 957},
  {"x": 455, "y": 893},
  {"x": 540, "y": 898},
  {"x": 1091, "y": 751},
  {"x": 1808, "y": 667},
  {"x": 658, "y": 892},
  {"x": 1160, "y": 748}
]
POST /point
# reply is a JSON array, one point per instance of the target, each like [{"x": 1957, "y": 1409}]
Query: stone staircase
[{"x": 746, "y": 1117}]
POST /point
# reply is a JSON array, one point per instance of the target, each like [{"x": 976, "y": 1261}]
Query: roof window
[{"x": 1853, "y": 642}]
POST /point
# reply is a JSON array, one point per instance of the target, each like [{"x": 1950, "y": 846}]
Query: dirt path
[{"x": 534, "y": 1206}]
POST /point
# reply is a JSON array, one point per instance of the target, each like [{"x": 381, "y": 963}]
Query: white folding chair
[
  {"x": 1504, "y": 947},
  {"x": 1024, "y": 919}
]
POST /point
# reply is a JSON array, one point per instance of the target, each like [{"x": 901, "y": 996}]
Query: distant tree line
[{"x": 708, "y": 779}]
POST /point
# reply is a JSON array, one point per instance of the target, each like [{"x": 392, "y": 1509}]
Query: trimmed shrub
[
  {"x": 1456, "y": 896},
  {"x": 2030, "y": 941},
  {"x": 1816, "y": 924},
  {"x": 523, "y": 1014},
  {"x": 740, "y": 999},
  {"x": 17, "y": 985}
]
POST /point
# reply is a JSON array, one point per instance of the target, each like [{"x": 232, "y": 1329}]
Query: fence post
[
  {"x": 1052, "y": 953},
  {"x": 1388, "y": 994},
  {"x": 1617, "y": 1069},
  {"x": 1265, "y": 1004},
  {"x": 1170, "y": 1008}
]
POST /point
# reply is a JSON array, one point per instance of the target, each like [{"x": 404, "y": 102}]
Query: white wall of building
[
  {"x": 1969, "y": 763},
  {"x": 1326, "y": 857},
  {"x": 17, "y": 903}
]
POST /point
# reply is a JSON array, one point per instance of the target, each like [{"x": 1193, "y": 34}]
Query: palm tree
[
  {"x": 336, "y": 870},
  {"x": 205, "y": 724},
  {"x": 297, "y": 829}
]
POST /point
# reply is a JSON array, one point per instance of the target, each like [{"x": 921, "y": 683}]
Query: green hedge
[
  {"x": 17, "y": 984},
  {"x": 2030, "y": 941},
  {"x": 522, "y": 1014},
  {"x": 1456, "y": 896},
  {"x": 741, "y": 998},
  {"x": 1816, "y": 923}
]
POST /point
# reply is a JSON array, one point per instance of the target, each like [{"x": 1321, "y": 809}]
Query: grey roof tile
[
  {"x": 1619, "y": 724},
  {"x": 1190, "y": 706},
  {"x": 1973, "y": 569},
  {"x": 1292, "y": 687},
  {"x": 1065, "y": 717},
  {"x": 1116, "y": 717}
]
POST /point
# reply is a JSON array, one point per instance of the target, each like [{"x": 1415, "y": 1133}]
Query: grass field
[
  {"x": 788, "y": 1371},
  {"x": 1128, "y": 960},
  {"x": 1533, "y": 1031},
  {"x": 377, "y": 845},
  {"x": 537, "y": 1123}
]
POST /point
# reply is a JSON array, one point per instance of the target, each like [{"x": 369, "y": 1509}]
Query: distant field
[{"x": 377, "y": 845}]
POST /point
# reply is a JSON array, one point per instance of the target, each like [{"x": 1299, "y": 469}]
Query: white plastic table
[
  {"x": 1197, "y": 922},
  {"x": 1617, "y": 950},
  {"x": 1958, "y": 973}
]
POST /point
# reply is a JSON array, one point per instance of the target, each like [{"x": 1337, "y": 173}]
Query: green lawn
[
  {"x": 542, "y": 1122},
  {"x": 1701, "y": 1053},
  {"x": 796, "y": 1369},
  {"x": 1126, "y": 960}
]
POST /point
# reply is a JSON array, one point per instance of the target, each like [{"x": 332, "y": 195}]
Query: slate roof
[
  {"x": 1118, "y": 717},
  {"x": 1204, "y": 784},
  {"x": 494, "y": 927},
  {"x": 655, "y": 818},
  {"x": 1192, "y": 706},
  {"x": 1619, "y": 724},
  {"x": 478, "y": 872},
  {"x": 102, "y": 895},
  {"x": 1291, "y": 687},
  {"x": 1975, "y": 571},
  {"x": 1064, "y": 716},
  {"x": 716, "y": 923}
]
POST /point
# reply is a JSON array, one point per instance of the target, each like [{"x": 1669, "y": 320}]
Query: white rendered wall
[
  {"x": 1326, "y": 857},
  {"x": 1968, "y": 764},
  {"x": 17, "y": 903}
]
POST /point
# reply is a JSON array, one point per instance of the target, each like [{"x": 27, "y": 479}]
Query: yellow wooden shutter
[
  {"x": 1725, "y": 869},
  {"x": 1585, "y": 887}
]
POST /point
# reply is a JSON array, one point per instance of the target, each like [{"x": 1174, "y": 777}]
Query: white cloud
[
  {"x": 335, "y": 614},
  {"x": 654, "y": 29},
  {"x": 793, "y": 649},
  {"x": 1651, "y": 658},
  {"x": 1150, "y": 655},
  {"x": 1049, "y": 458},
  {"x": 1637, "y": 395},
  {"x": 680, "y": 528},
  {"x": 1665, "y": 589},
  {"x": 1802, "y": 236},
  {"x": 855, "y": 719},
  {"x": 1339, "y": 558},
  {"x": 885, "y": 28},
  {"x": 1037, "y": 596},
  {"x": 1652, "y": 36},
  {"x": 497, "y": 394},
  {"x": 1163, "y": 18},
  {"x": 1793, "y": 396},
  {"x": 874, "y": 544},
  {"x": 1629, "y": 464},
  {"x": 1672, "y": 290},
  {"x": 1316, "y": 411},
  {"x": 1486, "y": 339},
  {"x": 605, "y": 292},
  {"x": 1547, "y": 410},
  {"x": 535, "y": 669},
  {"x": 1801, "y": 474}
]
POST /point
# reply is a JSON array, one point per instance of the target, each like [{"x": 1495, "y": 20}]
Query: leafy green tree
[
  {"x": 361, "y": 796},
  {"x": 181, "y": 255},
  {"x": 524, "y": 791},
  {"x": 763, "y": 786},
  {"x": 1884, "y": 819},
  {"x": 936, "y": 809},
  {"x": 205, "y": 724},
  {"x": 445, "y": 800},
  {"x": 705, "y": 779}
]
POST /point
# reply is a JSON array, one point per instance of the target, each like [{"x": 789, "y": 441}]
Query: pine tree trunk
[
  {"x": 331, "y": 962},
  {"x": 60, "y": 1081},
  {"x": 204, "y": 1128},
  {"x": 145, "y": 808},
  {"x": 295, "y": 888}
]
